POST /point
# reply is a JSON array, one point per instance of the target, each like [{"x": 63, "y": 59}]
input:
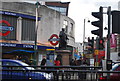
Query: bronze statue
[{"x": 63, "y": 39}]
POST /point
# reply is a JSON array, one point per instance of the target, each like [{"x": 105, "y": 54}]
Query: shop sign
[
  {"x": 18, "y": 15},
  {"x": 23, "y": 46},
  {"x": 89, "y": 55},
  {"x": 27, "y": 46},
  {"x": 96, "y": 52},
  {"x": 16, "y": 45},
  {"x": 113, "y": 41},
  {"x": 8, "y": 44}
]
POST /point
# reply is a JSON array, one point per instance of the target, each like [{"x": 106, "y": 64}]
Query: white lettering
[
  {"x": 12, "y": 45},
  {"x": 9, "y": 13},
  {"x": 27, "y": 46}
]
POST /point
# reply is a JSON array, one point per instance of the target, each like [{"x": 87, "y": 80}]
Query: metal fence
[{"x": 61, "y": 73}]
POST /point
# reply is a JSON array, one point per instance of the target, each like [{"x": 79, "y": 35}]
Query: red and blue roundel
[
  {"x": 54, "y": 39},
  {"x": 6, "y": 28}
]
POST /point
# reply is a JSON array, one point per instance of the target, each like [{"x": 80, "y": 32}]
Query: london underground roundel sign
[
  {"x": 7, "y": 28},
  {"x": 54, "y": 39}
]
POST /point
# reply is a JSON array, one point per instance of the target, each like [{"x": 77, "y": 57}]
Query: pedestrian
[
  {"x": 72, "y": 62},
  {"x": 31, "y": 62},
  {"x": 57, "y": 62},
  {"x": 75, "y": 62},
  {"x": 43, "y": 62},
  {"x": 79, "y": 62}
]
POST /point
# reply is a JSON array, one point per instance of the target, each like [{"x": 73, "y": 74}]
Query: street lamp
[
  {"x": 84, "y": 33},
  {"x": 36, "y": 27}
]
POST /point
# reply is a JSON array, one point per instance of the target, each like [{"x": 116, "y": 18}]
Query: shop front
[{"x": 23, "y": 52}]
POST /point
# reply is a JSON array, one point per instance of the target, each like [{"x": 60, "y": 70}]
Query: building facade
[{"x": 18, "y": 24}]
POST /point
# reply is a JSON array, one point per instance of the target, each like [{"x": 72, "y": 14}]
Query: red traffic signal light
[
  {"x": 101, "y": 41},
  {"x": 101, "y": 44}
]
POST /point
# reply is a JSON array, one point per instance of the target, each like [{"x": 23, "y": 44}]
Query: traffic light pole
[
  {"x": 109, "y": 28},
  {"x": 97, "y": 48},
  {"x": 98, "y": 32},
  {"x": 108, "y": 39},
  {"x": 84, "y": 37}
]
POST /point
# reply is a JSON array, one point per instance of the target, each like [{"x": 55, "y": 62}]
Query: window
[
  {"x": 62, "y": 10},
  {"x": 71, "y": 29},
  {"x": 65, "y": 26},
  {"x": 12, "y": 64},
  {"x": 28, "y": 29}
]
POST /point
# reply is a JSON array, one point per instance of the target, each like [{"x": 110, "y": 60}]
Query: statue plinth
[{"x": 64, "y": 56}]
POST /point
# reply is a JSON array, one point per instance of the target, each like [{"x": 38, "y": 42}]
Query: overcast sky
[{"x": 81, "y": 9}]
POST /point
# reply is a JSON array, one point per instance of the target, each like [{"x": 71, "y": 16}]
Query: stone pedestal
[{"x": 64, "y": 56}]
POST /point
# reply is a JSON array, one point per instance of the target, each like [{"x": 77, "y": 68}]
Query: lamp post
[
  {"x": 36, "y": 27},
  {"x": 84, "y": 33},
  {"x": 108, "y": 39}
]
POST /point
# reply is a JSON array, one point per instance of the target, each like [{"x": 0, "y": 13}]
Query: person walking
[
  {"x": 72, "y": 62},
  {"x": 76, "y": 62},
  {"x": 79, "y": 62},
  {"x": 57, "y": 62},
  {"x": 43, "y": 62}
]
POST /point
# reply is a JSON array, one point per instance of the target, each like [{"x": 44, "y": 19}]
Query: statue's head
[{"x": 63, "y": 29}]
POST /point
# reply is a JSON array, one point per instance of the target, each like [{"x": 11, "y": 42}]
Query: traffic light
[
  {"x": 101, "y": 44},
  {"x": 116, "y": 22},
  {"x": 99, "y": 23},
  {"x": 91, "y": 45}
]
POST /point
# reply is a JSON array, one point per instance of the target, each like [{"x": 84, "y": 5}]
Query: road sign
[
  {"x": 96, "y": 52},
  {"x": 54, "y": 39},
  {"x": 7, "y": 28}
]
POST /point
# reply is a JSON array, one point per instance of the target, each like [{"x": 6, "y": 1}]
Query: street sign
[
  {"x": 54, "y": 39},
  {"x": 96, "y": 52}
]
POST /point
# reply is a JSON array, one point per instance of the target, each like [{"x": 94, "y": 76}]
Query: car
[
  {"x": 113, "y": 76},
  {"x": 115, "y": 62},
  {"x": 16, "y": 69}
]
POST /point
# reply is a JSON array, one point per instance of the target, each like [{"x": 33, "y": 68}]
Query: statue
[{"x": 63, "y": 39}]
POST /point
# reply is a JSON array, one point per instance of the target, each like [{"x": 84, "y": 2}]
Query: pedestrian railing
[{"x": 58, "y": 73}]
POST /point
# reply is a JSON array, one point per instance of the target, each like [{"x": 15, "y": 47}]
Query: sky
[{"x": 81, "y": 9}]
